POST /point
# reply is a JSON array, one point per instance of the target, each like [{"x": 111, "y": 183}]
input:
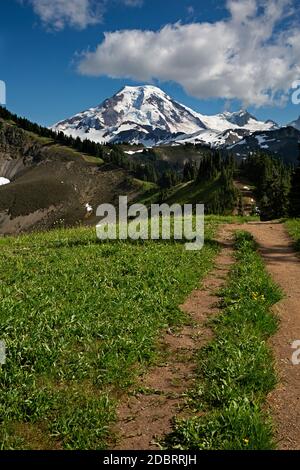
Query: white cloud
[
  {"x": 251, "y": 56},
  {"x": 56, "y": 14}
]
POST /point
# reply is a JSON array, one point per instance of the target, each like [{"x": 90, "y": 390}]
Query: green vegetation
[
  {"x": 90, "y": 159},
  {"x": 183, "y": 193},
  {"x": 205, "y": 192},
  {"x": 171, "y": 167},
  {"x": 37, "y": 138},
  {"x": 165, "y": 167},
  {"x": 145, "y": 185},
  {"x": 272, "y": 179},
  {"x": 213, "y": 187},
  {"x": 178, "y": 154},
  {"x": 230, "y": 219},
  {"x": 295, "y": 191},
  {"x": 60, "y": 152},
  {"x": 215, "y": 168},
  {"x": 80, "y": 320},
  {"x": 208, "y": 192},
  {"x": 53, "y": 145},
  {"x": 293, "y": 227},
  {"x": 236, "y": 369}
]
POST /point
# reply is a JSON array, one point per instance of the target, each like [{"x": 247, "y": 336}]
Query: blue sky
[{"x": 50, "y": 75}]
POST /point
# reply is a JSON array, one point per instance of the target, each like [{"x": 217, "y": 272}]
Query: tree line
[
  {"x": 272, "y": 179},
  {"x": 150, "y": 169},
  {"x": 277, "y": 185}
]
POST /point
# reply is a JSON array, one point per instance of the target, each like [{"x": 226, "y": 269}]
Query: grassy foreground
[
  {"x": 80, "y": 319},
  {"x": 293, "y": 227},
  {"x": 236, "y": 369}
]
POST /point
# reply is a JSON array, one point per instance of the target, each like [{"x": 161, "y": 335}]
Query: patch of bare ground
[
  {"x": 283, "y": 264},
  {"x": 143, "y": 419},
  {"x": 37, "y": 435}
]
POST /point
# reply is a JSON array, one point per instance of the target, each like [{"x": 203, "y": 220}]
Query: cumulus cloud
[
  {"x": 56, "y": 14},
  {"x": 251, "y": 56}
]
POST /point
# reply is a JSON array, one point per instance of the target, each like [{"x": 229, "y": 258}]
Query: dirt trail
[
  {"x": 284, "y": 265},
  {"x": 144, "y": 418}
]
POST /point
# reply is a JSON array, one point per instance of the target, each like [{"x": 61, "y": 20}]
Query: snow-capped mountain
[
  {"x": 214, "y": 138},
  {"x": 283, "y": 142},
  {"x": 145, "y": 114},
  {"x": 295, "y": 124},
  {"x": 237, "y": 120},
  {"x": 134, "y": 114}
]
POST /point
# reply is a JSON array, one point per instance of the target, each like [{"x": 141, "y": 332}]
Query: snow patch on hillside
[{"x": 4, "y": 181}]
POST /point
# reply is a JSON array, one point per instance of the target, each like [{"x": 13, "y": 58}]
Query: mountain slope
[
  {"x": 295, "y": 124},
  {"x": 135, "y": 114},
  {"x": 283, "y": 142},
  {"x": 147, "y": 115},
  {"x": 238, "y": 120},
  {"x": 50, "y": 184}
]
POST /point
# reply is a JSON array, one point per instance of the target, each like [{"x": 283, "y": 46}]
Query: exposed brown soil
[
  {"x": 54, "y": 192},
  {"x": 283, "y": 264},
  {"x": 51, "y": 184},
  {"x": 144, "y": 418}
]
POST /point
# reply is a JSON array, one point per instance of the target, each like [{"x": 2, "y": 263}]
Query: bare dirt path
[
  {"x": 145, "y": 418},
  {"x": 283, "y": 264}
]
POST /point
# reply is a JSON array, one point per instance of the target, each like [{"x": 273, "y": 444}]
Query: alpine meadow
[{"x": 149, "y": 232}]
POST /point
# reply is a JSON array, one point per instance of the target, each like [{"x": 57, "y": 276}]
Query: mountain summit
[
  {"x": 143, "y": 113},
  {"x": 240, "y": 118},
  {"x": 295, "y": 124},
  {"x": 146, "y": 114}
]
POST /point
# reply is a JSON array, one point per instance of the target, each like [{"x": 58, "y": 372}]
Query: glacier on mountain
[{"x": 147, "y": 115}]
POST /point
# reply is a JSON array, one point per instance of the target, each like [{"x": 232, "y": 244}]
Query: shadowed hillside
[{"x": 51, "y": 184}]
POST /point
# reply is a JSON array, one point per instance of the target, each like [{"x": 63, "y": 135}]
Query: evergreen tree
[
  {"x": 294, "y": 198},
  {"x": 272, "y": 180},
  {"x": 189, "y": 171},
  {"x": 241, "y": 206},
  {"x": 208, "y": 168}
]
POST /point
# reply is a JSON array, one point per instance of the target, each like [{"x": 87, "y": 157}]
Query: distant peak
[
  {"x": 240, "y": 117},
  {"x": 240, "y": 112}
]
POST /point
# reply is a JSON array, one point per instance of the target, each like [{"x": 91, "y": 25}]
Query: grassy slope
[
  {"x": 55, "y": 150},
  {"x": 80, "y": 318},
  {"x": 184, "y": 193},
  {"x": 189, "y": 193},
  {"x": 236, "y": 370},
  {"x": 173, "y": 153},
  {"x": 192, "y": 193},
  {"x": 181, "y": 153}
]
